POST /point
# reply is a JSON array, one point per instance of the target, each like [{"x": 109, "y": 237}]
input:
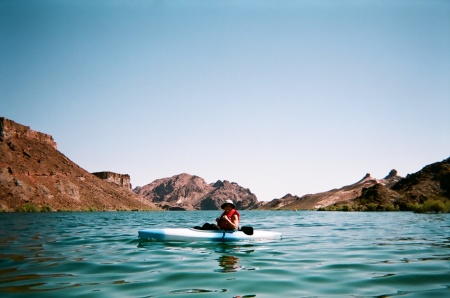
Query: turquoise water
[{"x": 322, "y": 254}]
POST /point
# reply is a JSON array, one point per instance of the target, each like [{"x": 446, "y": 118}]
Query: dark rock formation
[
  {"x": 392, "y": 174},
  {"x": 431, "y": 182},
  {"x": 190, "y": 192},
  {"x": 390, "y": 179},
  {"x": 122, "y": 180},
  {"x": 377, "y": 197},
  {"x": 34, "y": 173}
]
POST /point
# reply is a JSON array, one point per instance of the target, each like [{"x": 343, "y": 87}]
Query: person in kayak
[{"x": 229, "y": 220}]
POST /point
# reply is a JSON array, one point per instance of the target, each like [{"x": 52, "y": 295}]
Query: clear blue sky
[{"x": 279, "y": 96}]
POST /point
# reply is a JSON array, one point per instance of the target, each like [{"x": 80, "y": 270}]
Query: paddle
[{"x": 247, "y": 230}]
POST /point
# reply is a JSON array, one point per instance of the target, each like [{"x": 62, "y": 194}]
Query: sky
[{"x": 279, "y": 96}]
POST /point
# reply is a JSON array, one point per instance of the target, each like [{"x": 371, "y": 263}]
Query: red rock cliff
[
  {"x": 10, "y": 129},
  {"x": 122, "y": 180},
  {"x": 35, "y": 175}
]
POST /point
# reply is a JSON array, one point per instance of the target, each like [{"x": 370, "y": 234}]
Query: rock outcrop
[
  {"x": 12, "y": 130},
  {"x": 33, "y": 173},
  {"x": 123, "y": 180},
  {"x": 190, "y": 192}
]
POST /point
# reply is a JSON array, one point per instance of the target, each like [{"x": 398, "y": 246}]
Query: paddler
[{"x": 229, "y": 220}]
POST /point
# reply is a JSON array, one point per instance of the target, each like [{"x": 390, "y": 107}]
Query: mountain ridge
[
  {"x": 190, "y": 192},
  {"x": 330, "y": 197},
  {"x": 34, "y": 174}
]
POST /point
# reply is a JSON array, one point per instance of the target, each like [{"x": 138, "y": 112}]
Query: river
[{"x": 321, "y": 254}]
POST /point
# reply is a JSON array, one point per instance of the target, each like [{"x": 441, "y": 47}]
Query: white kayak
[{"x": 190, "y": 234}]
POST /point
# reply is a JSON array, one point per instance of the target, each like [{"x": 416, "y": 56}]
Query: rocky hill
[
  {"x": 189, "y": 192},
  {"x": 423, "y": 191},
  {"x": 35, "y": 176},
  {"x": 343, "y": 194}
]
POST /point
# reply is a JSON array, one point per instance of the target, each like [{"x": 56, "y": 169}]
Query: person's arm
[{"x": 234, "y": 221}]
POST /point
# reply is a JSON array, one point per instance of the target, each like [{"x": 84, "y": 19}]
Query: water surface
[{"x": 322, "y": 254}]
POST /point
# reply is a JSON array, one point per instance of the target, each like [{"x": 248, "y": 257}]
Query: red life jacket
[{"x": 224, "y": 224}]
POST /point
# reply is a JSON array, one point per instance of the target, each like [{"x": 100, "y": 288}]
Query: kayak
[{"x": 190, "y": 234}]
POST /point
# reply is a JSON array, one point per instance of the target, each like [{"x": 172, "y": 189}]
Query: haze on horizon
[{"x": 279, "y": 96}]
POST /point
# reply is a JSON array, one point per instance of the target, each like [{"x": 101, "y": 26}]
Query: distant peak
[
  {"x": 391, "y": 174},
  {"x": 219, "y": 183}
]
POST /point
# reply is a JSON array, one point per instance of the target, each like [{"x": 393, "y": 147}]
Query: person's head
[{"x": 228, "y": 205}]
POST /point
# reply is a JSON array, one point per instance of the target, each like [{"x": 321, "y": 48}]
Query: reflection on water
[{"x": 228, "y": 264}]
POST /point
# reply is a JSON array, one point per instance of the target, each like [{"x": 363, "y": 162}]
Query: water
[{"x": 322, "y": 254}]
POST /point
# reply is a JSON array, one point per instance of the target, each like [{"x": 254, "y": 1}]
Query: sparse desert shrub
[
  {"x": 433, "y": 206},
  {"x": 391, "y": 207},
  {"x": 28, "y": 208},
  {"x": 372, "y": 207},
  {"x": 412, "y": 207},
  {"x": 345, "y": 208},
  {"x": 46, "y": 208}
]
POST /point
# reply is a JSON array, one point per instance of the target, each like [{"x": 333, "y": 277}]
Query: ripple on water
[{"x": 322, "y": 254}]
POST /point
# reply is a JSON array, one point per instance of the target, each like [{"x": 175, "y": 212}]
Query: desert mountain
[
  {"x": 431, "y": 181},
  {"x": 35, "y": 175},
  {"x": 430, "y": 184},
  {"x": 343, "y": 194},
  {"x": 189, "y": 192}
]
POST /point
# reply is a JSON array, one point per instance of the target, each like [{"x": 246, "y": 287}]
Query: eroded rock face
[
  {"x": 123, "y": 180},
  {"x": 12, "y": 130},
  {"x": 190, "y": 192},
  {"x": 34, "y": 172}
]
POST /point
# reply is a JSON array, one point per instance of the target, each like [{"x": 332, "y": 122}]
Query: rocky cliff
[
  {"x": 343, "y": 194},
  {"x": 190, "y": 192},
  {"x": 10, "y": 130},
  {"x": 35, "y": 175},
  {"x": 123, "y": 180}
]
